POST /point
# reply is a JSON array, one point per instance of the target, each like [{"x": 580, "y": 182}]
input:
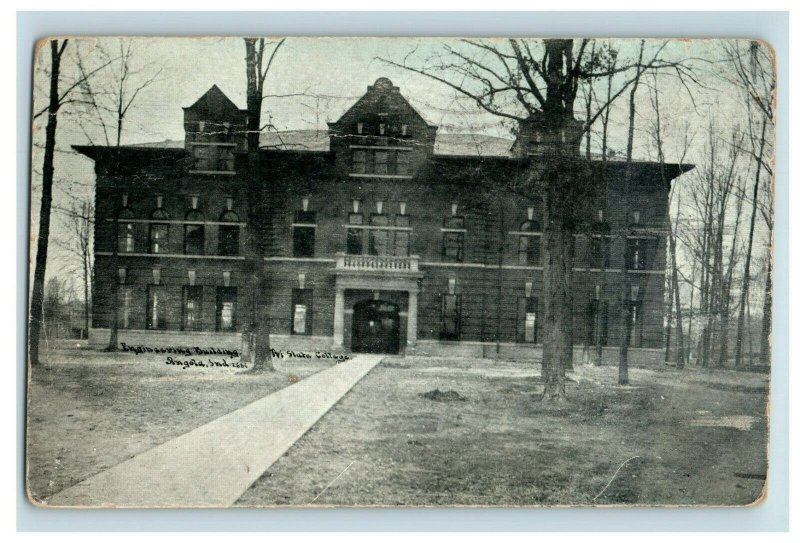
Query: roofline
[{"x": 677, "y": 168}]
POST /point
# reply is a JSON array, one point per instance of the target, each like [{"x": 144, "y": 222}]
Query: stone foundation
[{"x": 637, "y": 357}]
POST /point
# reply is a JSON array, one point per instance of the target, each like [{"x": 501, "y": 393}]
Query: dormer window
[
  {"x": 382, "y": 128},
  {"x": 381, "y": 161},
  {"x": 360, "y": 128},
  {"x": 212, "y": 157},
  {"x": 404, "y": 130}
]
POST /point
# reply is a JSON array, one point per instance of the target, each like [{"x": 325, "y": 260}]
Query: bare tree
[
  {"x": 256, "y": 336},
  {"x": 58, "y": 98},
  {"x": 108, "y": 104},
  {"x": 672, "y": 226},
  {"x": 755, "y": 76},
  {"x": 80, "y": 226},
  {"x": 713, "y": 196},
  {"x": 520, "y": 80},
  {"x": 625, "y": 335}
]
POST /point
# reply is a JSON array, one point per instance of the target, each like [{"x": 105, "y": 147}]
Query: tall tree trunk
[
  {"x": 676, "y": 289},
  {"x": 748, "y": 254},
  {"x": 560, "y": 170},
  {"x": 37, "y": 294},
  {"x": 557, "y": 268},
  {"x": 626, "y": 282},
  {"x": 691, "y": 321},
  {"x": 86, "y": 280},
  {"x": 113, "y": 337},
  {"x": 668, "y": 337},
  {"x": 257, "y": 334},
  {"x": 766, "y": 319}
]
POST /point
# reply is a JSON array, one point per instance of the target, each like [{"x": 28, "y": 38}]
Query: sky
[{"x": 330, "y": 74}]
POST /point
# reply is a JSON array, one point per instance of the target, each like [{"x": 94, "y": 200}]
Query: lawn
[
  {"x": 88, "y": 410},
  {"x": 671, "y": 438}
]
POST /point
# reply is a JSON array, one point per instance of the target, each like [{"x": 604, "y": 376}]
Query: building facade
[{"x": 379, "y": 235}]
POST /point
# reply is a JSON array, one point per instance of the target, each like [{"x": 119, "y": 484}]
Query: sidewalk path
[{"x": 213, "y": 465}]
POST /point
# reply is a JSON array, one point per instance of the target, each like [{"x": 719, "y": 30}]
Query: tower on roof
[{"x": 215, "y": 129}]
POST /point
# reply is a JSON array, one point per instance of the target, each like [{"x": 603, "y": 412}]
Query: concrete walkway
[{"x": 213, "y": 465}]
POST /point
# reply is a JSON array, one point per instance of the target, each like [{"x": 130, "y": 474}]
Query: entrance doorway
[{"x": 376, "y": 327}]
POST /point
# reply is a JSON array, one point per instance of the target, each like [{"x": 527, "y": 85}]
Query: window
[
  {"x": 194, "y": 235},
  {"x": 379, "y": 239},
  {"x": 403, "y": 164},
  {"x": 125, "y": 240},
  {"x": 382, "y": 236},
  {"x": 302, "y": 311},
  {"x": 156, "y": 308},
  {"x": 355, "y": 236},
  {"x": 382, "y": 161},
  {"x": 451, "y": 317},
  {"x": 598, "y": 244},
  {"x": 125, "y": 299},
  {"x": 453, "y": 239},
  {"x": 226, "y": 309},
  {"x": 229, "y": 234},
  {"x": 304, "y": 232},
  {"x": 192, "y": 303},
  {"x": 126, "y": 237},
  {"x": 597, "y": 323},
  {"x": 359, "y": 161},
  {"x": 638, "y": 251},
  {"x": 213, "y": 158},
  {"x": 402, "y": 238},
  {"x": 598, "y": 253},
  {"x": 529, "y": 320},
  {"x": 634, "y": 324},
  {"x": 159, "y": 232},
  {"x": 530, "y": 244}
]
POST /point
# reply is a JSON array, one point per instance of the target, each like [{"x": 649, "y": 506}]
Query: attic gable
[
  {"x": 214, "y": 105},
  {"x": 381, "y": 103}
]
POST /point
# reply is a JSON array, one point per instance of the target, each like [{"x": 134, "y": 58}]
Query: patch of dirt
[{"x": 446, "y": 396}]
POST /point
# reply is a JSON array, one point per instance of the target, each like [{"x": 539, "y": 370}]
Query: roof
[
  {"x": 319, "y": 140},
  {"x": 446, "y": 146}
]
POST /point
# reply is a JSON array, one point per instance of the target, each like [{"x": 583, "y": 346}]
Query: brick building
[{"x": 378, "y": 235}]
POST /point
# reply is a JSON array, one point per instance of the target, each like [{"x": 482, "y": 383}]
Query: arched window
[
  {"x": 194, "y": 235},
  {"x": 530, "y": 243},
  {"x": 229, "y": 234},
  {"x": 159, "y": 232},
  {"x": 125, "y": 235}
]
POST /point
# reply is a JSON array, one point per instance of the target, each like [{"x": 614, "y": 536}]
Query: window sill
[
  {"x": 212, "y": 172},
  {"x": 169, "y": 255},
  {"x": 380, "y": 176}
]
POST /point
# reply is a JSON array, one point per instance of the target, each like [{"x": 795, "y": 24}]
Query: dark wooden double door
[{"x": 376, "y": 327}]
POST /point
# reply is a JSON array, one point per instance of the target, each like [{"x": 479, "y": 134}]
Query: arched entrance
[{"x": 376, "y": 327}]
